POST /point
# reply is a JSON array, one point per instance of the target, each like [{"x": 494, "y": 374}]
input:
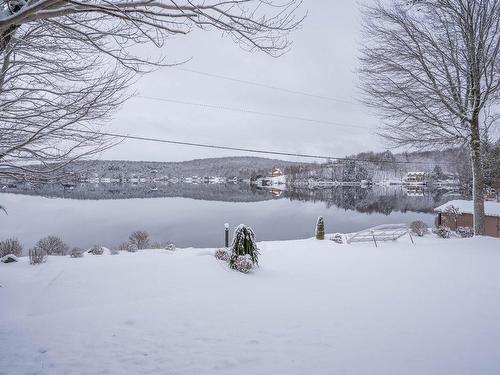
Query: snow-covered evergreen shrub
[
  {"x": 223, "y": 254},
  {"x": 320, "y": 229},
  {"x": 53, "y": 245},
  {"x": 465, "y": 232},
  {"x": 243, "y": 244},
  {"x": 76, "y": 252},
  {"x": 337, "y": 238},
  {"x": 243, "y": 263},
  {"x": 140, "y": 239},
  {"x": 37, "y": 255},
  {"x": 170, "y": 247},
  {"x": 419, "y": 228},
  {"x": 96, "y": 250},
  {"x": 443, "y": 231},
  {"x": 10, "y": 246}
]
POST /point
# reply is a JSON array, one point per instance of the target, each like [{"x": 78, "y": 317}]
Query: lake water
[{"x": 87, "y": 215}]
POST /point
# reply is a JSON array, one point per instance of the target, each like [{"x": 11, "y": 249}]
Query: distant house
[
  {"x": 465, "y": 216},
  {"x": 275, "y": 172},
  {"x": 415, "y": 178}
]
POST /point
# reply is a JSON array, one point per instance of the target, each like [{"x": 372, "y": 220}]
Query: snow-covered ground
[{"x": 314, "y": 307}]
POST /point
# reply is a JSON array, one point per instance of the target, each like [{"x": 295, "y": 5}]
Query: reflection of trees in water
[
  {"x": 208, "y": 192},
  {"x": 374, "y": 200}
]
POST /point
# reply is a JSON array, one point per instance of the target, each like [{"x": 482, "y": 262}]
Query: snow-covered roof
[
  {"x": 467, "y": 207},
  {"x": 418, "y": 173}
]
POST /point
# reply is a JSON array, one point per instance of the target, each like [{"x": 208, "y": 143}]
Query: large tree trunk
[{"x": 478, "y": 178}]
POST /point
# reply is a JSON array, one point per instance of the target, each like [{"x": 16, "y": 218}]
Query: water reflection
[{"x": 193, "y": 215}]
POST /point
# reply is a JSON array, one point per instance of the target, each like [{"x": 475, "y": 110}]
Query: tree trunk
[{"x": 478, "y": 178}]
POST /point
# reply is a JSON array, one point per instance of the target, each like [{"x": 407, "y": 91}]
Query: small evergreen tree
[
  {"x": 320, "y": 229},
  {"x": 243, "y": 246}
]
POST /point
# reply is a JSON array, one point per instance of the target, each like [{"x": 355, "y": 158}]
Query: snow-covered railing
[{"x": 385, "y": 232}]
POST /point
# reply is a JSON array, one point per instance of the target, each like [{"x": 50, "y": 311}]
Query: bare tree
[
  {"x": 431, "y": 69},
  {"x": 66, "y": 66}
]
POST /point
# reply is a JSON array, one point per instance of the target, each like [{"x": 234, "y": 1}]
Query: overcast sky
[{"x": 322, "y": 61}]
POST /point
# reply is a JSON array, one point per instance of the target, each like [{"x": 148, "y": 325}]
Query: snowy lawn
[{"x": 314, "y": 307}]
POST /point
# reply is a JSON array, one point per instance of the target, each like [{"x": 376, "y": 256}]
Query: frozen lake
[{"x": 199, "y": 222}]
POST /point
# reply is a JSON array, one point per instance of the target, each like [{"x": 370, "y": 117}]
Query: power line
[
  {"x": 242, "y": 110},
  {"x": 271, "y": 87},
  {"x": 251, "y": 150}
]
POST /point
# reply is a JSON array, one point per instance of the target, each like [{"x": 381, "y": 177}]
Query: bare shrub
[
  {"x": 157, "y": 245},
  {"x": 114, "y": 251},
  {"x": 223, "y": 254},
  {"x": 443, "y": 231},
  {"x": 140, "y": 239},
  {"x": 419, "y": 228},
  {"x": 53, "y": 245},
  {"x": 76, "y": 252},
  {"x": 465, "y": 232},
  {"x": 452, "y": 214},
  {"x": 96, "y": 250},
  {"x": 37, "y": 255},
  {"x": 10, "y": 246}
]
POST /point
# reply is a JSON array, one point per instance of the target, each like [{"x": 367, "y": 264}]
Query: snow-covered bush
[
  {"x": 243, "y": 244},
  {"x": 223, "y": 254},
  {"x": 128, "y": 246},
  {"x": 465, "y": 232},
  {"x": 170, "y": 247},
  {"x": 9, "y": 258},
  {"x": 10, "y": 246},
  {"x": 243, "y": 263},
  {"x": 37, "y": 255},
  {"x": 443, "y": 231},
  {"x": 76, "y": 252},
  {"x": 96, "y": 250},
  {"x": 337, "y": 238},
  {"x": 320, "y": 229},
  {"x": 53, "y": 245},
  {"x": 140, "y": 239},
  {"x": 419, "y": 228}
]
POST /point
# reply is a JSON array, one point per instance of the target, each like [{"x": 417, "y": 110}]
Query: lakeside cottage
[
  {"x": 464, "y": 216},
  {"x": 276, "y": 172},
  {"x": 415, "y": 178}
]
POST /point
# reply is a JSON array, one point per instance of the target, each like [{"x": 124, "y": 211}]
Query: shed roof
[{"x": 467, "y": 207}]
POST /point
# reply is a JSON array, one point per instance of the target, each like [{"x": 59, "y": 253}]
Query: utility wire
[
  {"x": 252, "y": 150},
  {"x": 242, "y": 110},
  {"x": 259, "y": 84}
]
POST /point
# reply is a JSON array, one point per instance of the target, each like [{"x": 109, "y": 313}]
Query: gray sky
[{"x": 322, "y": 61}]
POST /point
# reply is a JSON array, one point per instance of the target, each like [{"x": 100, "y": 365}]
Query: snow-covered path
[{"x": 313, "y": 307}]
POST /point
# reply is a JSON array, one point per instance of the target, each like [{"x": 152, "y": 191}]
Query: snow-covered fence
[{"x": 385, "y": 232}]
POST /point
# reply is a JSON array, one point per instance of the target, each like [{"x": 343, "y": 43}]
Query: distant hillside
[{"x": 241, "y": 167}]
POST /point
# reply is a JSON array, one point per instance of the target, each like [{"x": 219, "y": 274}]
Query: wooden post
[
  {"x": 374, "y": 240},
  {"x": 226, "y": 235},
  {"x": 411, "y": 238}
]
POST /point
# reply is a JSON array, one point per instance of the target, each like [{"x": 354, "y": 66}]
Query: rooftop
[{"x": 467, "y": 207}]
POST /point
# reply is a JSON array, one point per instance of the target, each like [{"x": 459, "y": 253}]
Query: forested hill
[{"x": 241, "y": 167}]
